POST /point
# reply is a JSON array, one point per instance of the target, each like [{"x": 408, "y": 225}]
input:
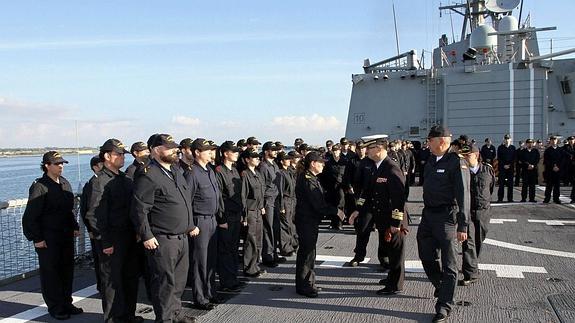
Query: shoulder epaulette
[
  {"x": 145, "y": 169},
  {"x": 487, "y": 164}
]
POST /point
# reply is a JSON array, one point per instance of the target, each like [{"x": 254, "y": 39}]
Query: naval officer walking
[{"x": 445, "y": 218}]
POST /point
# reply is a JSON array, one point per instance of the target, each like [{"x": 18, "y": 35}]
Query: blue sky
[{"x": 215, "y": 69}]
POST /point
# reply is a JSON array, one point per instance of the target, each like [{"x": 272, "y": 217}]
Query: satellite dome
[
  {"x": 508, "y": 23},
  {"x": 481, "y": 40}
]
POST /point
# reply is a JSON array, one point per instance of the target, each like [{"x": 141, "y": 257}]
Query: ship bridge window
[{"x": 566, "y": 86}]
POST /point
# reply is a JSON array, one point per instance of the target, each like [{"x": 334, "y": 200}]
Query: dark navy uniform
[
  {"x": 519, "y": 165},
  {"x": 84, "y": 206},
  {"x": 253, "y": 190},
  {"x": 481, "y": 186},
  {"x": 365, "y": 221},
  {"x": 110, "y": 204},
  {"x": 506, "y": 157},
  {"x": 553, "y": 157},
  {"x": 162, "y": 208},
  {"x": 135, "y": 168},
  {"x": 230, "y": 184},
  {"x": 49, "y": 217},
  {"x": 409, "y": 161},
  {"x": 424, "y": 155},
  {"x": 384, "y": 197},
  {"x": 445, "y": 212},
  {"x": 287, "y": 204},
  {"x": 206, "y": 199},
  {"x": 488, "y": 154},
  {"x": 529, "y": 161},
  {"x": 269, "y": 171},
  {"x": 311, "y": 208},
  {"x": 332, "y": 179}
]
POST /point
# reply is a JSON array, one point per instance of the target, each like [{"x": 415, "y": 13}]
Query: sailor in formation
[{"x": 180, "y": 221}]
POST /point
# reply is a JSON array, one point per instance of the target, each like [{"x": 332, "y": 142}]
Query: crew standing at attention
[
  {"x": 162, "y": 215},
  {"x": 49, "y": 222}
]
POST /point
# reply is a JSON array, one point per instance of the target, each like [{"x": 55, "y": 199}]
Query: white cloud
[
  {"x": 308, "y": 124},
  {"x": 10, "y": 107},
  {"x": 185, "y": 121}
]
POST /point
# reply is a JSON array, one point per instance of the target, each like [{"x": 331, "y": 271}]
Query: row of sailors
[{"x": 180, "y": 222}]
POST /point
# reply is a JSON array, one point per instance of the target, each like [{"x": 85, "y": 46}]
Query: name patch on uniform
[
  {"x": 381, "y": 180},
  {"x": 441, "y": 170}
]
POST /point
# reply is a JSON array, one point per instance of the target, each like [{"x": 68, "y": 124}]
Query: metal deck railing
[{"x": 18, "y": 259}]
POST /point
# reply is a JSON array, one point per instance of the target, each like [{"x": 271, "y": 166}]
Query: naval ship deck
[{"x": 527, "y": 275}]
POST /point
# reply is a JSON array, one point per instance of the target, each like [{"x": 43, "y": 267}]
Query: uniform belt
[
  {"x": 438, "y": 208},
  {"x": 203, "y": 215},
  {"x": 174, "y": 236}
]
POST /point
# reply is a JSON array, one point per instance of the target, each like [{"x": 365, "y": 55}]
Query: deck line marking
[
  {"x": 503, "y": 271},
  {"x": 552, "y": 222},
  {"x": 501, "y": 221},
  {"x": 566, "y": 200},
  {"x": 42, "y": 309},
  {"x": 335, "y": 261},
  {"x": 530, "y": 249}
]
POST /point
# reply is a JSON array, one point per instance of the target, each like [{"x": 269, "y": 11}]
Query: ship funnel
[{"x": 481, "y": 40}]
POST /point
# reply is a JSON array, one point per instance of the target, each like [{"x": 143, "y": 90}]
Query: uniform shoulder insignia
[
  {"x": 145, "y": 170},
  {"x": 487, "y": 164},
  {"x": 308, "y": 176}
]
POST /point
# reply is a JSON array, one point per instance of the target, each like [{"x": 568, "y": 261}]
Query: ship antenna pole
[
  {"x": 520, "y": 12},
  {"x": 78, "y": 153},
  {"x": 395, "y": 24}
]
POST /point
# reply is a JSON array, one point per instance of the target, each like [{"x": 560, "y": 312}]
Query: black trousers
[
  {"x": 470, "y": 267},
  {"x": 144, "y": 269},
  {"x": 552, "y": 184},
  {"x": 437, "y": 247},
  {"x": 336, "y": 197},
  {"x": 57, "y": 270},
  {"x": 505, "y": 180},
  {"x": 286, "y": 228},
  {"x": 269, "y": 250},
  {"x": 363, "y": 227},
  {"x": 305, "y": 263},
  {"x": 119, "y": 277},
  {"x": 96, "y": 260},
  {"x": 407, "y": 185},
  {"x": 396, "y": 252},
  {"x": 480, "y": 220},
  {"x": 228, "y": 251},
  {"x": 168, "y": 267},
  {"x": 253, "y": 242},
  {"x": 203, "y": 260},
  {"x": 519, "y": 174},
  {"x": 529, "y": 182}
]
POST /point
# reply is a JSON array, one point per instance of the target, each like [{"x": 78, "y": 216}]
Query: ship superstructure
[{"x": 492, "y": 82}]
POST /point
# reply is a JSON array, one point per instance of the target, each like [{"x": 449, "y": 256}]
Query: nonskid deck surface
[{"x": 528, "y": 275}]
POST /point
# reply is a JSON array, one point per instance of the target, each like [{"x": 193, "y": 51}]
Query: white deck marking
[
  {"x": 552, "y": 222},
  {"x": 42, "y": 309},
  {"x": 529, "y": 249},
  {"x": 503, "y": 271},
  {"x": 501, "y": 221},
  {"x": 335, "y": 261}
]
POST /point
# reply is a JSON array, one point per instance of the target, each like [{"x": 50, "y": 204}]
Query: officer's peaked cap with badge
[
  {"x": 439, "y": 131},
  {"x": 374, "y": 140},
  {"x": 202, "y": 144},
  {"x": 253, "y": 141},
  {"x": 53, "y": 157},
  {"x": 285, "y": 156},
  {"x": 163, "y": 140},
  {"x": 113, "y": 145},
  {"x": 294, "y": 154}
]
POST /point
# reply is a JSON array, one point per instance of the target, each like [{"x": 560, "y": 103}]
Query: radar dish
[{"x": 500, "y": 6}]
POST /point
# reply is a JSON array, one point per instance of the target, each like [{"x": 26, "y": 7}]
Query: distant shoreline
[{"x": 9, "y": 153}]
